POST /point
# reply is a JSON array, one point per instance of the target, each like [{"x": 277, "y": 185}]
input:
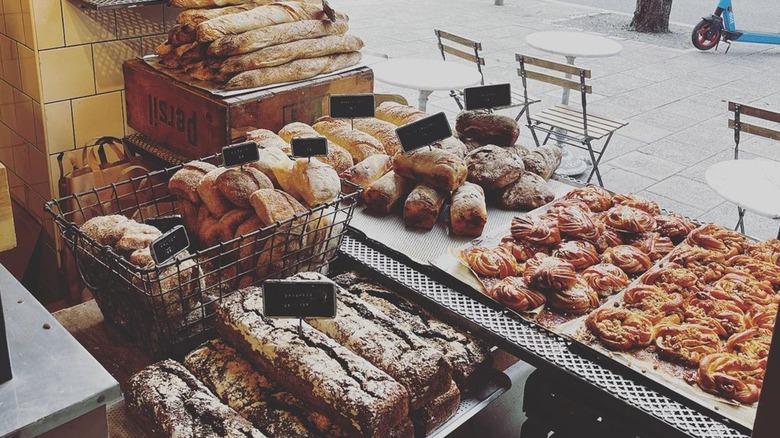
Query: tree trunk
[{"x": 652, "y": 16}]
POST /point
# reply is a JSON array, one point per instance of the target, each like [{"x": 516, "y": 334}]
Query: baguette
[
  {"x": 190, "y": 18},
  {"x": 398, "y": 114},
  {"x": 338, "y": 157},
  {"x": 468, "y": 212},
  {"x": 297, "y": 70},
  {"x": 263, "y": 16},
  {"x": 187, "y": 4},
  {"x": 386, "y": 192},
  {"x": 382, "y": 131},
  {"x": 359, "y": 144},
  {"x": 363, "y": 400},
  {"x": 435, "y": 167},
  {"x": 278, "y": 34},
  {"x": 422, "y": 207},
  {"x": 316, "y": 182},
  {"x": 366, "y": 171}
]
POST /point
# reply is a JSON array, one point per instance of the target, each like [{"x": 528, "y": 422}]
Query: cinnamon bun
[
  {"x": 523, "y": 250},
  {"x": 763, "y": 316},
  {"x": 605, "y": 278},
  {"x": 732, "y": 377},
  {"x": 549, "y": 273},
  {"x": 620, "y": 329},
  {"x": 535, "y": 230},
  {"x": 628, "y": 258},
  {"x": 725, "y": 317},
  {"x": 597, "y": 198},
  {"x": 515, "y": 294},
  {"x": 762, "y": 270},
  {"x": 744, "y": 290},
  {"x": 687, "y": 343},
  {"x": 492, "y": 262},
  {"x": 717, "y": 238},
  {"x": 654, "y": 303},
  {"x": 674, "y": 226},
  {"x": 576, "y": 223},
  {"x": 638, "y": 202},
  {"x": 577, "y": 299},
  {"x": 671, "y": 278},
  {"x": 579, "y": 253},
  {"x": 767, "y": 251},
  {"x": 629, "y": 219},
  {"x": 653, "y": 244},
  {"x": 751, "y": 344}
]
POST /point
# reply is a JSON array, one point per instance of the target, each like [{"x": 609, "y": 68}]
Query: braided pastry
[
  {"x": 674, "y": 225},
  {"x": 653, "y": 244},
  {"x": 628, "y": 258},
  {"x": 495, "y": 262},
  {"x": 608, "y": 237},
  {"x": 767, "y": 251},
  {"x": 638, "y": 202},
  {"x": 597, "y": 198},
  {"x": 717, "y": 238},
  {"x": 730, "y": 376},
  {"x": 751, "y": 344},
  {"x": 578, "y": 299},
  {"x": 760, "y": 269},
  {"x": 671, "y": 278},
  {"x": 579, "y": 253},
  {"x": 577, "y": 224},
  {"x": 605, "y": 279},
  {"x": 629, "y": 219},
  {"x": 522, "y": 250},
  {"x": 561, "y": 205},
  {"x": 620, "y": 329},
  {"x": 549, "y": 273},
  {"x": 688, "y": 343},
  {"x": 535, "y": 230},
  {"x": 515, "y": 294},
  {"x": 707, "y": 265},
  {"x": 763, "y": 316},
  {"x": 744, "y": 290},
  {"x": 654, "y": 303},
  {"x": 725, "y": 317}
]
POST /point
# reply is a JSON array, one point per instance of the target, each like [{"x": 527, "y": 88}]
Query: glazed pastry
[
  {"x": 493, "y": 167},
  {"x": 605, "y": 279},
  {"x": 527, "y": 193},
  {"x": 653, "y": 244},
  {"x": 687, "y": 343},
  {"x": 707, "y": 265},
  {"x": 762, "y": 270},
  {"x": 674, "y": 226},
  {"x": 628, "y": 258},
  {"x": 523, "y": 250},
  {"x": 751, "y": 344},
  {"x": 723, "y": 316},
  {"x": 763, "y": 316},
  {"x": 492, "y": 262},
  {"x": 638, "y": 202},
  {"x": 515, "y": 294},
  {"x": 732, "y": 377},
  {"x": 549, "y": 273},
  {"x": 560, "y": 205},
  {"x": 184, "y": 183},
  {"x": 766, "y": 251},
  {"x": 535, "y": 230},
  {"x": 744, "y": 290},
  {"x": 577, "y": 299},
  {"x": 576, "y": 223},
  {"x": 654, "y": 303},
  {"x": 629, "y": 219},
  {"x": 671, "y": 277},
  {"x": 717, "y": 238},
  {"x": 620, "y": 329},
  {"x": 597, "y": 198},
  {"x": 579, "y": 253},
  {"x": 236, "y": 184}
]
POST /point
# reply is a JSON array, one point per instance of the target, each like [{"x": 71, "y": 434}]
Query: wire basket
[{"x": 168, "y": 309}]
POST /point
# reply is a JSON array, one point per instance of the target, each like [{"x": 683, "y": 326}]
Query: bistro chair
[
  {"x": 572, "y": 125},
  {"x": 470, "y": 50},
  {"x": 753, "y": 185}
]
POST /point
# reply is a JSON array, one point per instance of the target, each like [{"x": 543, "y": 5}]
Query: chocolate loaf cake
[
  {"x": 170, "y": 402},
  {"x": 466, "y": 354},
  {"x": 437, "y": 412},
  {"x": 361, "y": 399}
]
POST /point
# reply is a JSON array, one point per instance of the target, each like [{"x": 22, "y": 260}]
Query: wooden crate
[{"x": 194, "y": 123}]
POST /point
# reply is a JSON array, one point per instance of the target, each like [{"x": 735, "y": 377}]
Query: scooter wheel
[{"x": 704, "y": 36}]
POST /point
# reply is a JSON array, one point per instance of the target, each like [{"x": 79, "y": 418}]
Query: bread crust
[
  {"x": 359, "y": 144},
  {"x": 236, "y": 184},
  {"x": 386, "y": 192},
  {"x": 468, "y": 212},
  {"x": 435, "y": 167},
  {"x": 422, "y": 206}
]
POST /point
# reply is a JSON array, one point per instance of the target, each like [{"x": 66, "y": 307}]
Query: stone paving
[{"x": 674, "y": 100}]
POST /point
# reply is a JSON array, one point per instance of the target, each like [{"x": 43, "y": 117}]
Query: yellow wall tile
[
  {"x": 108, "y": 62},
  {"x": 83, "y": 27},
  {"x": 7, "y": 157},
  {"x": 6, "y": 93},
  {"x": 25, "y": 121},
  {"x": 67, "y": 73},
  {"x": 97, "y": 116},
  {"x": 40, "y": 134},
  {"x": 58, "y": 120},
  {"x": 149, "y": 44},
  {"x": 9, "y": 53},
  {"x": 137, "y": 22},
  {"x": 35, "y": 204},
  {"x": 14, "y": 26},
  {"x": 12, "y": 6},
  {"x": 39, "y": 169},
  {"x": 29, "y": 71},
  {"x": 22, "y": 161},
  {"x": 29, "y": 29},
  {"x": 48, "y": 13}
]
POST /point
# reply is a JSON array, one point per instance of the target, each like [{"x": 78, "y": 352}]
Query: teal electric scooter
[{"x": 721, "y": 25}]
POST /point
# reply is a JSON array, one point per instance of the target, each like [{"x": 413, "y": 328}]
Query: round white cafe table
[
  {"x": 426, "y": 75},
  {"x": 572, "y": 45},
  {"x": 751, "y": 184}
]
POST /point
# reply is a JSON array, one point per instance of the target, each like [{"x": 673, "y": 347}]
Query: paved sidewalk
[{"x": 674, "y": 100}]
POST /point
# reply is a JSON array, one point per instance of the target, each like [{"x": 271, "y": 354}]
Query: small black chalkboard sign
[
  {"x": 165, "y": 223},
  {"x": 5, "y": 357},
  {"x": 169, "y": 245},
  {"x": 299, "y": 299},
  {"x": 488, "y": 96},
  {"x": 351, "y": 106},
  {"x": 240, "y": 153},
  {"x": 307, "y": 147},
  {"x": 424, "y": 132}
]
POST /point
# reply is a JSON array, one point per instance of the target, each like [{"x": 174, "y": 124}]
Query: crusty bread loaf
[
  {"x": 186, "y": 4},
  {"x": 398, "y": 114},
  {"x": 190, "y": 18},
  {"x": 382, "y": 131},
  {"x": 267, "y": 139},
  {"x": 315, "y": 182},
  {"x": 527, "y": 193},
  {"x": 283, "y": 173},
  {"x": 269, "y": 157},
  {"x": 278, "y": 34},
  {"x": 487, "y": 128},
  {"x": 273, "y": 410},
  {"x": 386, "y": 192},
  {"x": 136, "y": 236},
  {"x": 248, "y": 246},
  {"x": 368, "y": 332},
  {"x": 437, "y": 412},
  {"x": 452, "y": 145},
  {"x": 542, "y": 161},
  {"x": 169, "y": 401},
  {"x": 229, "y": 223},
  {"x": 422, "y": 206},
  {"x": 297, "y": 70},
  {"x": 468, "y": 212},
  {"x": 236, "y": 184},
  {"x": 208, "y": 229},
  {"x": 492, "y": 167},
  {"x": 274, "y": 206},
  {"x": 263, "y": 16},
  {"x": 212, "y": 198},
  {"x": 362, "y": 399},
  {"x": 189, "y": 214},
  {"x": 338, "y": 157},
  {"x": 435, "y": 167},
  {"x": 367, "y": 171},
  {"x": 184, "y": 183},
  {"x": 359, "y": 144},
  {"x": 106, "y": 230}
]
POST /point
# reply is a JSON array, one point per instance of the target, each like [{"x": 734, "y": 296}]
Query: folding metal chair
[{"x": 571, "y": 125}]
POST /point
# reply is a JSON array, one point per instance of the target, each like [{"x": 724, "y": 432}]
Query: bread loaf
[
  {"x": 385, "y": 193},
  {"x": 236, "y": 184},
  {"x": 270, "y": 157},
  {"x": 359, "y": 144},
  {"x": 527, "y": 193},
  {"x": 136, "y": 236},
  {"x": 437, "y": 412},
  {"x": 186, "y": 4},
  {"x": 422, "y": 206},
  {"x": 190, "y": 18},
  {"x": 249, "y": 245},
  {"x": 208, "y": 229},
  {"x": 338, "y": 157},
  {"x": 435, "y": 167},
  {"x": 367, "y": 171},
  {"x": 543, "y": 160},
  {"x": 283, "y": 173},
  {"x": 382, "y": 131},
  {"x": 266, "y": 139},
  {"x": 212, "y": 198},
  {"x": 169, "y": 401},
  {"x": 264, "y": 16},
  {"x": 189, "y": 214},
  {"x": 487, "y": 128},
  {"x": 184, "y": 183},
  {"x": 468, "y": 212},
  {"x": 274, "y": 206},
  {"x": 297, "y": 70},
  {"x": 316, "y": 182},
  {"x": 106, "y": 230},
  {"x": 229, "y": 223},
  {"x": 452, "y": 145},
  {"x": 362, "y": 399},
  {"x": 492, "y": 167},
  {"x": 398, "y": 114},
  {"x": 369, "y": 333}
]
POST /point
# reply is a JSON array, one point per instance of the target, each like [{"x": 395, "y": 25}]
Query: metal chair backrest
[
  {"x": 461, "y": 47},
  {"x": 740, "y": 126},
  {"x": 550, "y": 72}
]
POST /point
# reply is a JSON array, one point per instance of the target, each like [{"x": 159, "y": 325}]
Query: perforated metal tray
[{"x": 544, "y": 349}]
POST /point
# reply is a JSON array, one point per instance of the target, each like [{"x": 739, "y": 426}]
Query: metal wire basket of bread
[{"x": 235, "y": 242}]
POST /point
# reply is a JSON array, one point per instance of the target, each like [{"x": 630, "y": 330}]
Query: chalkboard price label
[
  {"x": 240, "y": 153},
  {"x": 424, "y": 132},
  {"x": 488, "y": 96},
  {"x": 299, "y": 299},
  {"x": 169, "y": 245},
  {"x": 165, "y": 223},
  {"x": 351, "y": 106},
  {"x": 307, "y": 147}
]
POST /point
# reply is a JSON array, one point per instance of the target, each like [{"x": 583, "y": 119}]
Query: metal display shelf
[
  {"x": 102, "y": 5},
  {"x": 547, "y": 350}
]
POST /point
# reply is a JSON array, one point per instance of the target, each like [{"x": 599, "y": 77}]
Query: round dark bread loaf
[
  {"x": 493, "y": 167},
  {"x": 527, "y": 193},
  {"x": 486, "y": 128}
]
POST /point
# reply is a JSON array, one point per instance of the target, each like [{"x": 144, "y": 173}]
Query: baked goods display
[
  {"x": 483, "y": 127},
  {"x": 237, "y": 44}
]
